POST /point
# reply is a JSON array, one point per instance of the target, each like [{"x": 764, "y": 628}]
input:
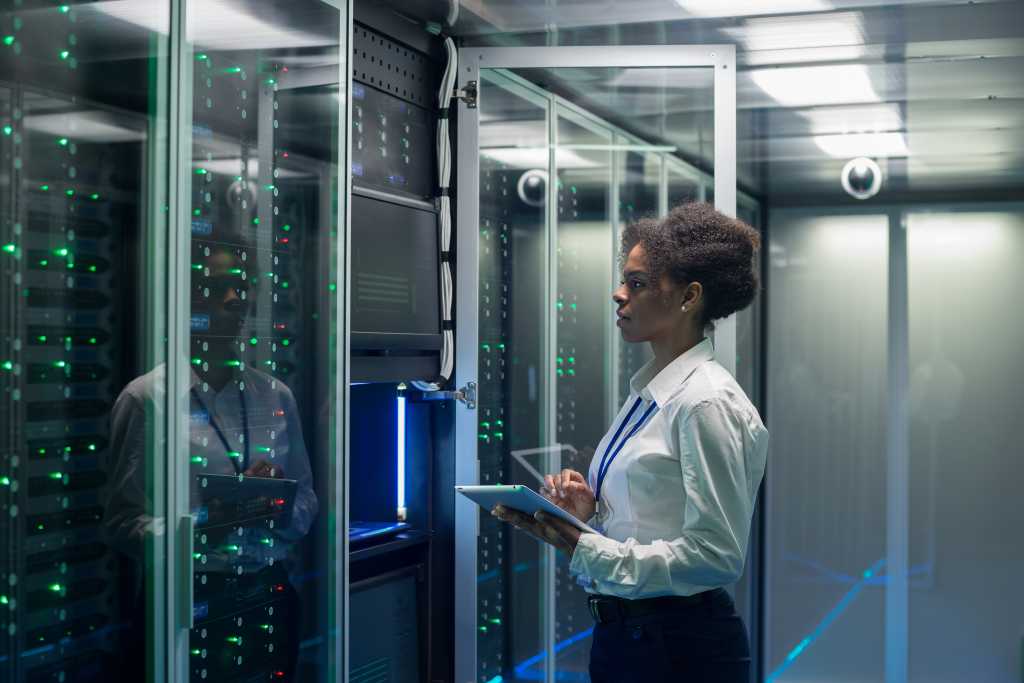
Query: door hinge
[
  {"x": 467, "y": 94},
  {"x": 466, "y": 394}
]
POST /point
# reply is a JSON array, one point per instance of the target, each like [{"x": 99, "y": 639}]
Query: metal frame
[{"x": 722, "y": 58}]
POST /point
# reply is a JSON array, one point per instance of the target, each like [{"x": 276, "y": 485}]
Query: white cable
[{"x": 444, "y": 174}]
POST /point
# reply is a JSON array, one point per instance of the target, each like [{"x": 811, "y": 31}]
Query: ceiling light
[
  {"x": 797, "y": 33},
  {"x": 741, "y": 8},
  {"x": 807, "y": 86},
  {"x": 862, "y": 145},
  {"x": 536, "y": 157}
]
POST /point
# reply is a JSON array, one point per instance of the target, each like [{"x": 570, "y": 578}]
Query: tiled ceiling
[{"x": 933, "y": 90}]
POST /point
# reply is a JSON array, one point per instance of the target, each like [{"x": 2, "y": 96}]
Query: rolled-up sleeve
[{"x": 712, "y": 440}]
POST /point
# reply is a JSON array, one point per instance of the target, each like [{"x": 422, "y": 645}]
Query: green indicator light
[
  {"x": 254, "y": 341},
  {"x": 265, "y": 627},
  {"x": 201, "y": 171},
  {"x": 263, "y": 449},
  {"x": 56, "y": 587},
  {"x": 286, "y": 228},
  {"x": 197, "y": 266},
  {"x": 196, "y": 556},
  {"x": 44, "y": 188},
  {"x": 8, "y": 365},
  {"x": 8, "y": 40},
  {"x": 233, "y": 70},
  {"x": 197, "y": 361},
  {"x": 559, "y": 305},
  {"x": 485, "y": 347},
  {"x": 63, "y": 142},
  {"x": 232, "y": 548},
  {"x": 495, "y": 620},
  {"x": 483, "y": 437},
  {"x": 235, "y": 271},
  {"x": 485, "y": 425},
  {"x": 10, "y": 248},
  {"x": 499, "y": 435},
  {"x": 572, "y": 373},
  {"x": 44, "y": 262},
  {"x": 234, "y": 454},
  {"x": 40, "y": 527},
  {"x": 59, "y": 364},
  {"x": 255, "y": 221},
  {"x": 94, "y": 196},
  {"x": 41, "y": 339},
  {"x": 64, "y": 54},
  {"x": 560, "y": 372},
  {"x": 332, "y": 287},
  {"x": 64, "y": 9},
  {"x": 198, "y": 460},
  {"x": 286, "y": 342},
  {"x": 194, "y": 652},
  {"x": 56, "y": 475},
  {"x": 8, "y": 130},
  {"x": 41, "y": 451},
  {"x": 572, "y": 359},
  {"x": 284, "y": 285},
  {"x": 499, "y": 423},
  {"x": 484, "y": 629},
  {"x": 560, "y": 360},
  {"x": 196, "y": 212},
  {"x": 271, "y": 81},
  {"x": 233, "y": 363},
  {"x": 63, "y": 251},
  {"x": 501, "y": 346},
  {"x": 5, "y": 481},
  {"x": 70, "y": 193},
  {"x": 572, "y": 188},
  {"x": 266, "y": 541},
  {"x": 4, "y": 600},
  {"x": 201, "y": 57},
  {"x": 92, "y": 447},
  {"x": 268, "y": 187},
  {"x": 92, "y": 269},
  {"x": 234, "y": 639},
  {"x": 92, "y": 340},
  {"x": 572, "y": 306}
]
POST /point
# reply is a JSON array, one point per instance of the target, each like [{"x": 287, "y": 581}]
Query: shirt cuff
[{"x": 586, "y": 559}]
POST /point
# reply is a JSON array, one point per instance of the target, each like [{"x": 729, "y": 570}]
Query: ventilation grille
[{"x": 396, "y": 69}]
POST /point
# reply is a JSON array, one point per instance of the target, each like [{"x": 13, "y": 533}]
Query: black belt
[{"x": 605, "y": 608}]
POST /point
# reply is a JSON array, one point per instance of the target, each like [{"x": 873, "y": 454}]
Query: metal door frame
[{"x": 721, "y": 58}]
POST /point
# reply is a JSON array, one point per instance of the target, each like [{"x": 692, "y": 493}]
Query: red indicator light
[
  {"x": 278, "y": 413},
  {"x": 284, "y": 240},
  {"x": 278, "y": 674},
  {"x": 279, "y": 501},
  {"x": 279, "y": 588},
  {"x": 279, "y": 326}
]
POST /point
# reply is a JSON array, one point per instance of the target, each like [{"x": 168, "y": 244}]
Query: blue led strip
[
  {"x": 833, "y": 614},
  {"x": 400, "y": 450},
  {"x": 523, "y": 668}
]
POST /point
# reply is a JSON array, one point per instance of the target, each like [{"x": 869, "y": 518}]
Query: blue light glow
[
  {"x": 833, "y": 614},
  {"x": 401, "y": 454}
]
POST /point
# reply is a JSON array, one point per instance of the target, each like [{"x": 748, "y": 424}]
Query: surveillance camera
[
  {"x": 862, "y": 178},
  {"x": 533, "y": 187}
]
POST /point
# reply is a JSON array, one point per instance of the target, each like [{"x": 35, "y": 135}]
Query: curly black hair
[{"x": 696, "y": 243}]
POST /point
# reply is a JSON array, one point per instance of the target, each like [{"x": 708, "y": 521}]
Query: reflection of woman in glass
[
  {"x": 673, "y": 483},
  {"x": 243, "y": 423}
]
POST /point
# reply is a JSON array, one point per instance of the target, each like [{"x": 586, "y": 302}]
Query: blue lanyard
[
  {"x": 609, "y": 455},
  {"x": 220, "y": 434}
]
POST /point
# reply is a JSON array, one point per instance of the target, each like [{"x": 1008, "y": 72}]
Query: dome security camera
[
  {"x": 532, "y": 187},
  {"x": 862, "y": 178}
]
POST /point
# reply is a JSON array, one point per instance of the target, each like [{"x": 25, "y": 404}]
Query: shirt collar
[{"x": 662, "y": 386}]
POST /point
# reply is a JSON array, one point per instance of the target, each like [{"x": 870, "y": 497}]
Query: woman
[{"x": 673, "y": 483}]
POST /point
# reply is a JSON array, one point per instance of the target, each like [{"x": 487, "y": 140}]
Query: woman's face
[{"x": 645, "y": 307}]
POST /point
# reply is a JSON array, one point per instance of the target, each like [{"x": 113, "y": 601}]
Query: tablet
[{"x": 520, "y": 498}]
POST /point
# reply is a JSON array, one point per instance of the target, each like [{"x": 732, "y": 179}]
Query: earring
[{"x": 683, "y": 309}]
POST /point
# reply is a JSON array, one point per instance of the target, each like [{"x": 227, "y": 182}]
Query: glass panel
[
  {"x": 261, "y": 448},
  {"x": 584, "y": 338},
  {"x": 639, "y": 178},
  {"x": 826, "y": 482},
  {"x": 82, "y": 125},
  {"x": 965, "y": 444},
  {"x": 512, "y": 598},
  {"x": 682, "y": 187}
]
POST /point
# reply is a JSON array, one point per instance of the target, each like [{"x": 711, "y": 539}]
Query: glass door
[
  {"x": 258, "y": 373},
  {"x": 545, "y": 185}
]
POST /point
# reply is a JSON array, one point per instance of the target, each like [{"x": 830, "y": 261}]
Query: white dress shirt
[{"x": 676, "y": 502}]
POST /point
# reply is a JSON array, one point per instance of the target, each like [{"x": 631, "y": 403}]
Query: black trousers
[{"x": 701, "y": 643}]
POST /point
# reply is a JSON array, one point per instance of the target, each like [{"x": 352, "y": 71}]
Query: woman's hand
[
  {"x": 542, "y": 526},
  {"x": 570, "y": 491}
]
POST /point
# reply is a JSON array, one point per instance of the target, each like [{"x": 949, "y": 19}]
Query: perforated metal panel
[{"x": 393, "y": 67}]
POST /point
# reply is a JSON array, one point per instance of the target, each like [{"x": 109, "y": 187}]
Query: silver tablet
[{"x": 522, "y": 498}]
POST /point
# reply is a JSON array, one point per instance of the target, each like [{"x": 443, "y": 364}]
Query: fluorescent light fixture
[
  {"x": 400, "y": 449},
  {"x": 801, "y": 32},
  {"x": 214, "y": 25},
  {"x": 742, "y": 8},
  {"x": 537, "y": 157},
  {"x": 862, "y": 145},
  {"x": 808, "y": 86},
  {"x": 84, "y": 126},
  {"x": 868, "y": 118}
]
